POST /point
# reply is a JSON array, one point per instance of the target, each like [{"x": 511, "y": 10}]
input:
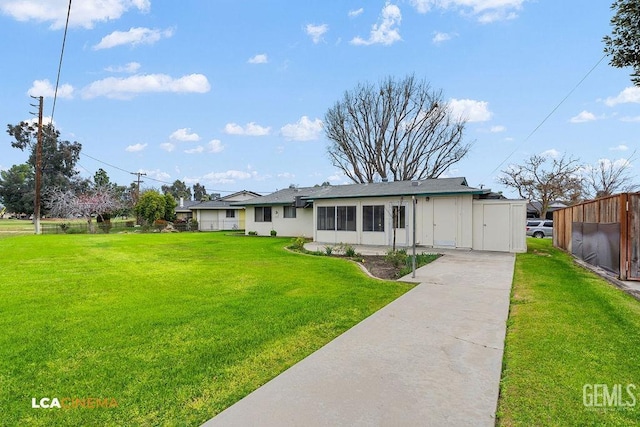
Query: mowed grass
[
  {"x": 568, "y": 328},
  {"x": 174, "y": 327}
]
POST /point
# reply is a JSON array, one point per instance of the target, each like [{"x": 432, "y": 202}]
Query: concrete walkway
[{"x": 432, "y": 357}]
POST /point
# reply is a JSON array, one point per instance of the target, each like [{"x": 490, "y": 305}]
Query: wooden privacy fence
[{"x": 603, "y": 232}]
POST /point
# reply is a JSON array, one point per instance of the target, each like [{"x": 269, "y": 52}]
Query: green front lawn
[
  {"x": 571, "y": 338},
  {"x": 173, "y": 327}
]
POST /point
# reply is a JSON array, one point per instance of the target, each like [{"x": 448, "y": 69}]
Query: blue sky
[{"x": 232, "y": 94}]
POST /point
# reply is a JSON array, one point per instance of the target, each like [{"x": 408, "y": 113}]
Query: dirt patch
[{"x": 381, "y": 268}]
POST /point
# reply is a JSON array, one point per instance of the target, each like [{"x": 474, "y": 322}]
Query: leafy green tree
[
  {"x": 169, "y": 207},
  {"x": 623, "y": 45},
  {"x": 101, "y": 178},
  {"x": 199, "y": 192},
  {"x": 151, "y": 206},
  {"x": 16, "y": 188},
  {"x": 178, "y": 189}
]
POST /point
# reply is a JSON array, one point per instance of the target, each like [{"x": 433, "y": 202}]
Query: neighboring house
[
  {"x": 183, "y": 211},
  {"x": 448, "y": 214},
  {"x": 225, "y": 213},
  {"x": 534, "y": 209}
]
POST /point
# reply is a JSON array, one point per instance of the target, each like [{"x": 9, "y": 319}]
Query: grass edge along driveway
[
  {"x": 570, "y": 336},
  {"x": 174, "y": 327}
]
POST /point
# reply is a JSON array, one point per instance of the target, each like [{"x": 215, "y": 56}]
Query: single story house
[
  {"x": 225, "y": 213},
  {"x": 534, "y": 209},
  {"x": 447, "y": 213}
]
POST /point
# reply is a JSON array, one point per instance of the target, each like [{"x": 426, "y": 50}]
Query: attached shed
[{"x": 447, "y": 213}]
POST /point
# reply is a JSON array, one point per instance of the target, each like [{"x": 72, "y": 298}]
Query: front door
[{"x": 445, "y": 224}]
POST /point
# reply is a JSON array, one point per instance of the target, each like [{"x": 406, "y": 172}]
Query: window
[
  {"x": 263, "y": 213},
  {"x": 326, "y": 218},
  {"x": 548, "y": 224},
  {"x": 373, "y": 218},
  {"x": 346, "y": 218},
  {"x": 399, "y": 217},
  {"x": 231, "y": 213},
  {"x": 289, "y": 211}
]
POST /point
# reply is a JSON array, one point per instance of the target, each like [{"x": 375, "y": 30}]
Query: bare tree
[
  {"x": 400, "y": 130},
  {"x": 67, "y": 204},
  {"x": 608, "y": 177},
  {"x": 545, "y": 179}
]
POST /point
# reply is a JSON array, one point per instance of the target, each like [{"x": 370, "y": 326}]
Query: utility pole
[
  {"x": 138, "y": 185},
  {"x": 36, "y": 203},
  {"x": 137, "y": 192}
]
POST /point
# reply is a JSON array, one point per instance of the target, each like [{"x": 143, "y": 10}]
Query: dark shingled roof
[{"x": 427, "y": 187}]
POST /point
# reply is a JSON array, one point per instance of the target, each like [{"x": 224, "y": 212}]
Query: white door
[
  {"x": 496, "y": 228},
  {"x": 445, "y": 221}
]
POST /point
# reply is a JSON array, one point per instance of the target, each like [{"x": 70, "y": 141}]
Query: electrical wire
[
  {"x": 546, "y": 118},
  {"x": 64, "y": 42}
]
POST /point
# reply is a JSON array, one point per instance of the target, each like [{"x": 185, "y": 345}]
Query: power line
[
  {"x": 546, "y": 118},
  {"x": 64, "y": 42}
]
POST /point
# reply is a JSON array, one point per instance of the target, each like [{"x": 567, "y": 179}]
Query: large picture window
[
  {"x": 263, "y": 213},
  {"x": 346, "y": 218},
  {"x": 326, "y": 218},
  {"x": 373, "y": 218}
]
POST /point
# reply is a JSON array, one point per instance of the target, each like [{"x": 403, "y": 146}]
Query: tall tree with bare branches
[
  {"x": 608, "y": 177},
  {"x": 399, "y": 130},
  {"x": 545, "y": 179}
]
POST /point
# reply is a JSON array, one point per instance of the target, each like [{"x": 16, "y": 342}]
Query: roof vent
[{"x": 415, "y": 183}]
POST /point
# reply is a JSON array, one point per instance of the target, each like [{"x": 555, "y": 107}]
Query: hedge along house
[
  {"x": 448, "y": 214},
  {"x": 223, "y": 213}
]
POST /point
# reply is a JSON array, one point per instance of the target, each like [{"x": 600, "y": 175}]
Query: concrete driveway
[{"x": 432, "y": 357}]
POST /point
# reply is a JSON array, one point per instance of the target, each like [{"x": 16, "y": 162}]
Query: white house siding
[
  {"x": 499, "y": 225},
  {"x": 301, "y": 225}
]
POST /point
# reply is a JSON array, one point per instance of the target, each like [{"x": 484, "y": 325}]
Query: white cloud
[
  {"x": 184, "y": 134},
  {"x": 136, "y": 148},
  {"x": 196, "y": 150},
  {"x": 46, "y": 89},
  {"x": 356, "y": 12},
  {"x": 316, "y": 32},
  {"x": 127, "y": 88},
  {"x": 129, "y": 68},
  {"x": 485, "y": 11},
  {"x": 167, "y": 146},
  {"x": 228, "y": 177},
  {"x": 286, "y": 175},
  {"x": 215, "y": 146},
  {"x": 439, "y": 37},
  {"x": 620, "y": 147},
  {"x": 259, "y": 59},
  {"x": 630, "y": 119},
  {"x": 552, "y": 153},
  {"x": 303, "y": 130},
  {"x": 156, "y": 174},
  {"x": 497, "y": 129},
  {"x": 582, "y": 117},
  {"x": 133, "y": 37},
  {"x": 628, "y": 95},
  {"x": 386, "y": 31},
  {"x": 470, "y": 110},
  {"x": 55, "y": 12},
  {"x": 250, "y": 129}
]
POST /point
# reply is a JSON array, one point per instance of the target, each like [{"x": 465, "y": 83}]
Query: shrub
[
  {"x": 349, "y": 251},
  {"x": 105, "y": 226},
  {"x": 328, "y": 249},
  {"x": 252, "y": 233},
  {"x": 274, "y": 233},
  {"x": 130, "y": 224},
  {"x": 397, "y": 258},
  {"x": 298, "y": 244}
]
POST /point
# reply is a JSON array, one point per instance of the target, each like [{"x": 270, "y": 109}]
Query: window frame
[
  {"x": 262, "y": 217},
  {"x": 289, "y": 209},
  {"x": 373, "y": 218}
]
